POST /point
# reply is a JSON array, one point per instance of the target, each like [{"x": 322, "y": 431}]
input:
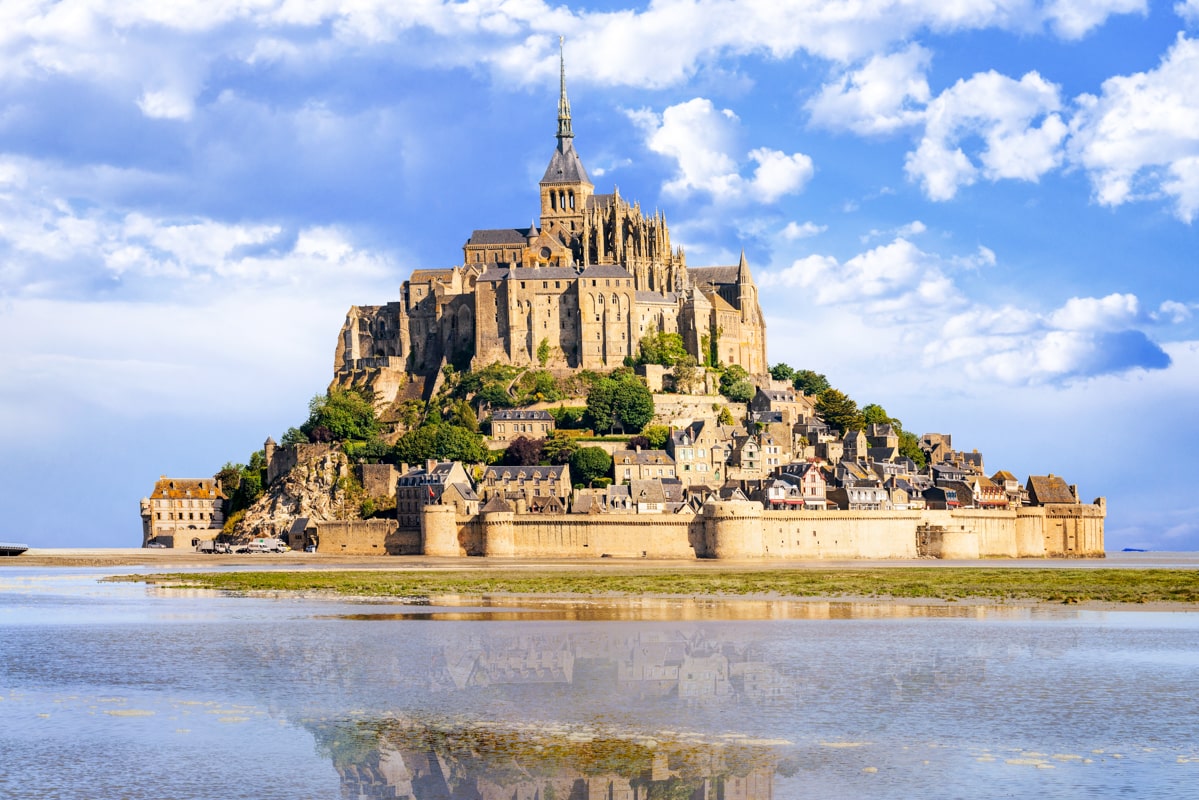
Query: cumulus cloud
[
  {"x": 1188, "y": 10},
  {"x": 1017, "y": 122},
  {"x": 1140, "y": 135},
  {"x": 895, "y": 280},
  {"x": 796, "y": 230},
  {"x": 910, "y": 302},
  {"x": 887, "y": 93},
  {"x": 702, "y": 141}
]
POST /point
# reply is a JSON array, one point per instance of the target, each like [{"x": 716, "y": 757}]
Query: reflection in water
[{"x": 409, "y": 760}]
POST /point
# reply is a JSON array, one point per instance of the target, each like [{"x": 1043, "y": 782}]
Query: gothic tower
[{"x": 565, "y": 187}]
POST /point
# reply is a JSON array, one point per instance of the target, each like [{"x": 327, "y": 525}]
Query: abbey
[{"x": 577, "y": 291}]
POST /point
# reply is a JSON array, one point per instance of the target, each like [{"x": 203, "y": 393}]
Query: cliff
[{"x": 321, "y": 487}]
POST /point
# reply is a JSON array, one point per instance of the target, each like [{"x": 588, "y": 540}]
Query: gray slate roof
[
  {"x": 499, "y": 236},
  {"x": 565, "y": 167}
]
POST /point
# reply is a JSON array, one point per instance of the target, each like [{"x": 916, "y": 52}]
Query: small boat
[{"x": 10, "y": 549}]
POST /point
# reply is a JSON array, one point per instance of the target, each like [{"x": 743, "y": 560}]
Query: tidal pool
[{"x": 128, "y": 691}]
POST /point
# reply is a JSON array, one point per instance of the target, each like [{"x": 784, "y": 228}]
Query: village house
[
  {"x": 1045, "y": 490},
  {"x": 539, "y": 488},
  {"x": 811, "y": 482},
  {"x": 422, "y": 486},
  {"x": 860, "y": 498},
  {"x": 640, "y": 465},
  {"x": 511, "y": 423}
]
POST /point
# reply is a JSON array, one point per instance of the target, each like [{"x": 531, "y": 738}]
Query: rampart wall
[{"x": 736, "y": 531}]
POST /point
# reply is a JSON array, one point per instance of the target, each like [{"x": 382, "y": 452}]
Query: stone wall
[
  {"x": 739, "y": 530},
  {"x": 371, "y": 537},
  {"x": 283, "y": 459}
]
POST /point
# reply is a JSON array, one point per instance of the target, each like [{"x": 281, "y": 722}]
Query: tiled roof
[
  {"x": 1044, "y": 489},
  {"x": 641, "y": 457},
  {"x": 499, "y": 236},
  {"x": 195, "y": 488},
  {"x": 712, "y": 275}
]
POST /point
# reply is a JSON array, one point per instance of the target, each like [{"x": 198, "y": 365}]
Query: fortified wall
[{"x": 736, "y": 530}]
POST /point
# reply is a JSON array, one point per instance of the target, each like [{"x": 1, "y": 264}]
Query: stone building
[
  {"x": 512, "y": 423},
  {"x": 180, "y": 510},
  {"x": 576, "y": 290}
]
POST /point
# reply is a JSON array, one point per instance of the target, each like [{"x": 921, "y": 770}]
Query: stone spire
[{"x": 564, "y": 129}]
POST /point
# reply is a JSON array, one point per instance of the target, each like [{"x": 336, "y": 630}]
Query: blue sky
[{"x": 980, "y": 215}]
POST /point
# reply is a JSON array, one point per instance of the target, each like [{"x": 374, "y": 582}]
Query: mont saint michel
[{"x": 575, "y": 389}]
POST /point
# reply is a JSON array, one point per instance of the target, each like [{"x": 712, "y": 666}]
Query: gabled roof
[
  {"x": 195, "y": 488},
  {"x": 496, "y": 503},
  {"x": 1045, "y": 489},
  {"x": 647, "y": 491},
  {"x": 642, "y": 457},
  {"x": 499, "y": 236},
  {"x": 713, "y": 276}
]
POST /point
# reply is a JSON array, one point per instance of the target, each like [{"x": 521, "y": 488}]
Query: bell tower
[{"x": 565, "y": 187}]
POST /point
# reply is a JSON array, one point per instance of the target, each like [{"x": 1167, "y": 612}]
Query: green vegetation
[
  {"x": 839, "y": 411},
  {"x": 588, "y": 464},
  {"x": 666, "y": 349},
  {"x": 442, "y": 442},
  {"x": 619, "y": 400},
  {"x": 947, "y": 583},
  {"x": 807, "y": 381},
  {"x": 341, "y": 415},
  {"x": 736, "y": 385}
]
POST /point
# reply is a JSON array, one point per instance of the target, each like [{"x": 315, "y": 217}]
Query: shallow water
[{"x": 127, "y": 691}]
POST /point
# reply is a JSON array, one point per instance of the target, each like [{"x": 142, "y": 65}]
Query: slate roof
[
  {"x": 493, "y": 274},
  {"x": 643, "y": 296},
  {"x": 713, "y": 275},
  {"x": 499, "y": 236},
  {"x": 647, "y": 491},
  {"x": 1045, "y": 489},
  {"x": 505, "y": 414},
  {"x": 642, "y": 457},
  {"x": 605, "y": 271},
  {"x": 496, "y": 503},
  {"x": 565, "y": 166},
  {"x": 551, "y": 473},
  {"x": 542, "y": 273}
]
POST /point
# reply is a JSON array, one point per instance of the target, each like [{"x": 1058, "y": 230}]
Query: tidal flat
[{"x": 949, "y": 584}]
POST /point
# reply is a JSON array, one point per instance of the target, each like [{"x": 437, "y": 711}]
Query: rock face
[{"x": 319, "y": 487}]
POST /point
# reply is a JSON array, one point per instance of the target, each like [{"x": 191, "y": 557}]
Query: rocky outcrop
[{"x": 321, "y": 487}]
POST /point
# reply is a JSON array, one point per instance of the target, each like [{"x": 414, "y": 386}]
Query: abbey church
[{"x": 577, "y": 291}]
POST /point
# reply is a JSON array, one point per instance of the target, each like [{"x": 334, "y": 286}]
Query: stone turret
[
  {"x": 439, "y": 531},
  {"x": 733, "y": 529}
]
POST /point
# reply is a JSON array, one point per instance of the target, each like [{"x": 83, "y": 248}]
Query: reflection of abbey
[{"x": 577, "y": 291}]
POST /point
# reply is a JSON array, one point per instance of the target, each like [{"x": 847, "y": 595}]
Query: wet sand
[{"x": 188, "y": 559}]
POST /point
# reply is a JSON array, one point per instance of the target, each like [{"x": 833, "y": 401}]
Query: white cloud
[
  {"x": 1073, "y": 19},
  {"x": 1140, "y": 136},
  {"x": 702, "y": 141},
  {"x": 892, "y": 280},
  {"x": 1114, "y": 312},
  {"x": 166, "y": 104},
  {"x": 1017, "y": 122},
  {"x": 904, "y": 306},
  {"x": 1188, "y": 10},
  {"x": 887, "y": 93},
  {"x": 795, "y": 230}
]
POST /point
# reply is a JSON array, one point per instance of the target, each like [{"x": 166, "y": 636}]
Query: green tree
[
  {"x": 559, "y": 447},
  {"x": 662, "y": 348},
  {"x": 909, "y": 445},
  {"x": 347, "y": 414},
  {"x": 736, "y": 385},
  {"x": 782, "y": 372},
  {"x": 725, "y": 417},
  {"x": 523, "y": 452},
  {"x": 620, "y": 400},
  {"x": 543, "y": 352},
  {"x": 838, "y": 410},
  {"x": 809, "y": 382},
  {"x": 462, "y": 415},
  {"x": 686, "y": 374},
  {"x": 442, "y": 442},
  {"x": 589, "y": 463},
  {"x": 656, "y": 435},
  {"x": 874, "y": 414}
]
